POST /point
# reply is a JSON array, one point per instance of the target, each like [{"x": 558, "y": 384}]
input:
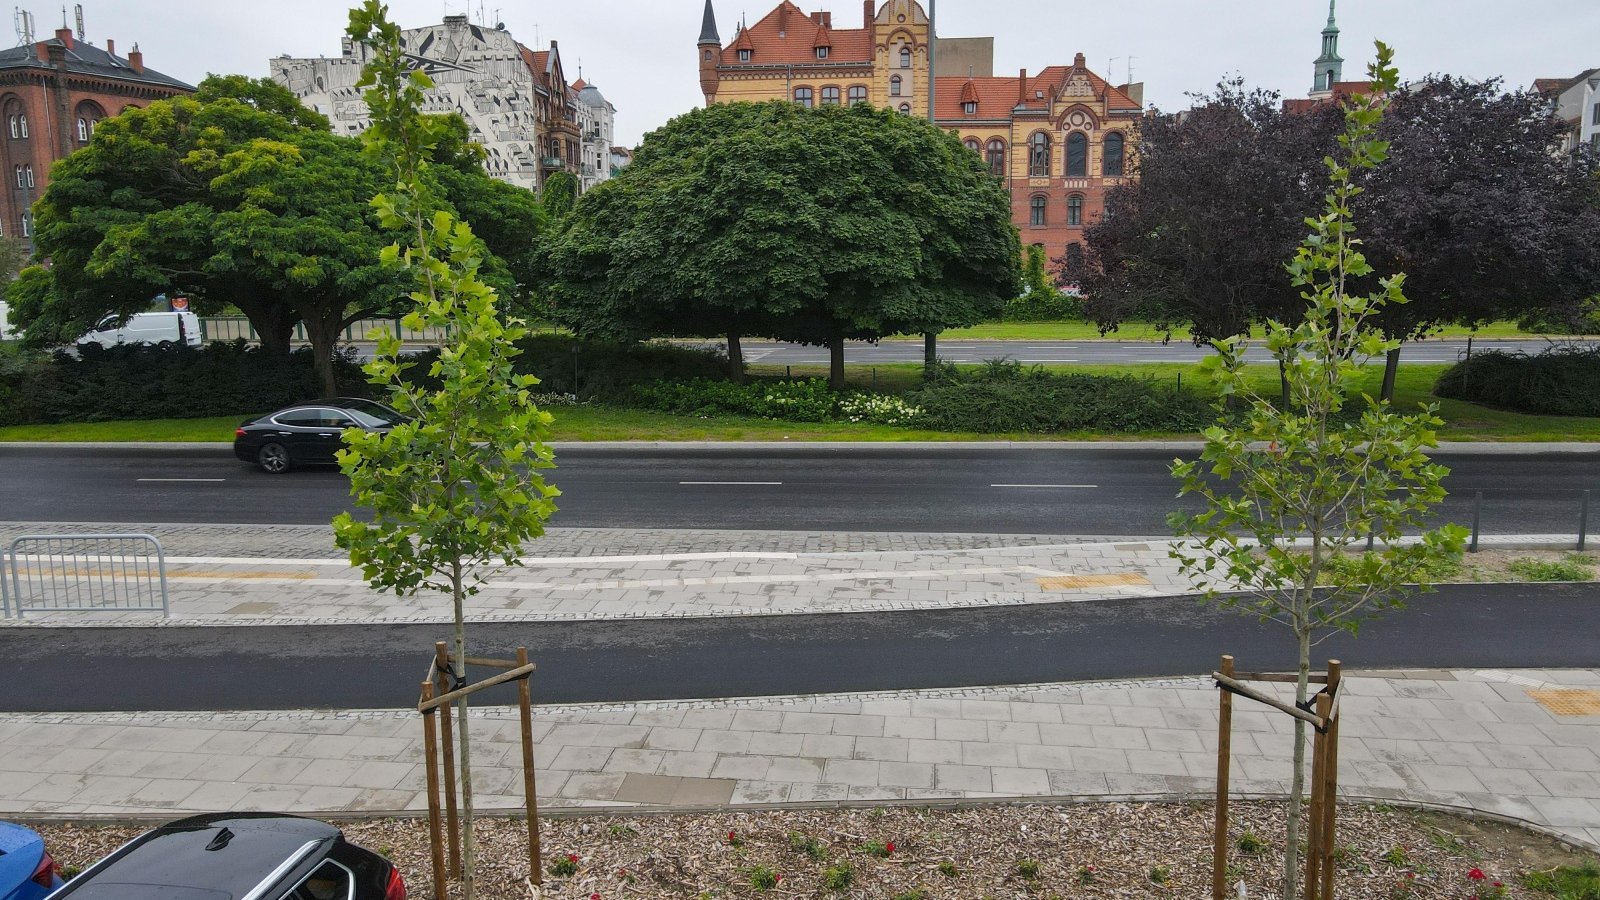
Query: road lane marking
[
  {"x": 1080, "y": 487},
  {"x": 730, "y": 483},
  {"x": 185, "y": 480}
]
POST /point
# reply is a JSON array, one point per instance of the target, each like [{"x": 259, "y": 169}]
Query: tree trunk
[
  {"x": 1391, "y": 368},
  {"x": 273, "y": 324},
  {"x": 930, "y": 352},
  {"x": 1283, "y": 385},
  {"x": 836, "y": 360},
  {"x": 324, "y": 334},
  {"x": 469, "y": 848},
  {"x": 735, "y": 358}
]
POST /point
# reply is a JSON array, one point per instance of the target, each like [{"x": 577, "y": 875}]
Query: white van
[
  {"x": 7, "y": 333},
  {"x": 163, "y": 329}
]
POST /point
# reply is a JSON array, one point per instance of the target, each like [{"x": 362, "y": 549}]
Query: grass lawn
[
  {"x": 1463, "y": 421},
  {"x": 1138, "y": 331}
]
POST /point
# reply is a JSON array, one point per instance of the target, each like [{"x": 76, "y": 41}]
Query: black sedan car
[
  {"x": 308, "y": 433},
  {"x": 260, "y": 856}
]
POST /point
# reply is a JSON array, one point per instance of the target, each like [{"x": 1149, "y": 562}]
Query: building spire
[
  {"x": 1329, "y": 67},
  {"x": 708, "y": 28}
]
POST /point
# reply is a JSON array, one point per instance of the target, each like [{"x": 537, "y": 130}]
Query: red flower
[
  {"x": 732, "y": 837},
  {"x": 1476, "y": 874},
  {"x": 779, "y": 878},
  {"x": 1498, "y": 885},
  {"x": 572, "y": 857},
  {"x": 594, "y": 897},
  {"x": 889, "y": 847}
]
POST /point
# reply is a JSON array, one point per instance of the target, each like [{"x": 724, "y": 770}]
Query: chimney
[
  {"x": 827, "y": 20},
  {"x": 111, "y": 46},
  {"x": 816, "y": 17},
  {"x": 64, "y": 35},
  {"x": 869, "y": 11},
  {"x": 783, "y": 19},
  {"x": 1022, "y": 88},
  {"x": 1078, "y": 62},
  {"x": 136, "y": 59}
]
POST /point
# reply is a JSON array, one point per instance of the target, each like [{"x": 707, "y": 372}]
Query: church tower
[
  {"x": 710, "y": 46},
  {"x": 1330, "y": 65}
]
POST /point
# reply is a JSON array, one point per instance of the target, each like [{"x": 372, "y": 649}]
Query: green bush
[
  {"x": 1530, "y": 569},
  {"x": 1039, "y": 306},
  {"x": 1563, "y": 381},
  {"x": 806, "y": 400},
  {"x": 1581, "y": 882},
  {"x": 131, "y": 382},
  {"x": 1002, "y": 397}
]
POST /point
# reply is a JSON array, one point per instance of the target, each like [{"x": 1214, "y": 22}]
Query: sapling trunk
[{"x": 468, "y": 844}]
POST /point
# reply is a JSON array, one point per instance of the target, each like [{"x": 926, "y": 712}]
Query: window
[
  {"x": 858, "y": 94},
  {"x": 1039, "y": 156},
  {"x": 905, "y": 57},
  {"x": 830, "y": 96},
  {"x": 744, "y": 55},
  {"x": 301, "y": 418},
  {"x": 1111, "y": 151},
  {"x": 21, "y": 183},
  {"x": 1077, "y": 155},
  {"x": 27, "y": 225},
  {"x": 708, "y": 55},
  {"x": 971, "y": 144},
  {"x": 330, "y": 881},
  {"x": 894, "y": 86},
  {"x": 822, "y": 53},
  {"x": 803, "y": 97},
  {"x": 1596, "y": 120},
  {"x": 997, "y": 157},
  {"x": 83, "y": 131},
  {"x": 905, "y": 109},
  {"x": 1040, "y": 206},
  {"x": 28, "y": 170},
  {"x": 14, "y": 132},
  {"x": 970, "y": 108},
  {"x": 24, "y": 120},
  {"x": 1075, "y": 210}
]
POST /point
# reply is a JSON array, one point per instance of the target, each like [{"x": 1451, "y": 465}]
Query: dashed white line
[
  {"x": 1083, "y": 487},
  {"x": 730, "y": 483},
  {"x": 185, "y": 480}
]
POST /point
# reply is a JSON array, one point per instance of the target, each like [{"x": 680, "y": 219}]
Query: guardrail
[
  {"x": 84, "y": 573},
  {"x": 238, "y": 328}
]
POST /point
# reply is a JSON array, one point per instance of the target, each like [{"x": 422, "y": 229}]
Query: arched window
[
  {"x": 997, "y": 157},
  {"x": 830, "y": 96},
  {"x": 21, "y": 181},
  {"x": 708, "y": 55},
  {"x": 905, "y": 109},
  {"x": 88, "y": 114},
  {"x": 24, "y": 120},
  {"x": 905, "y": 57},
  {"x": 1111, "y": 150},
  {"x": 1040, "y": 206},
  {"x": 1075, "y": 209},
  {"x": 15, "y": 132},
  {"x": 27, "y": 225},
  {"x": 28, "y": 171},
  {"x": 894, "y": 86},
  {"x": 1039, "y": 156},
  {"x": 83, "y": 130},
  {"x": 858, "y": 94},
  {"x": 1077, "y": 155},
  {"x": 971, "y": 144},
  {"x": 802, "y": 96}
]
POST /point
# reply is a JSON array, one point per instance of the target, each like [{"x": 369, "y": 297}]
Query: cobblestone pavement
[{"x": 1514, "y": 744}]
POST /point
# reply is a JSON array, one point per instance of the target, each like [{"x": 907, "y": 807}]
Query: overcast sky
[{"x": 640, "y": 53}]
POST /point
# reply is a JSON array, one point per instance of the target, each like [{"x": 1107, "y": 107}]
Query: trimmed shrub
[
  {"x": 1002, "y": 397},
  {"x": 805, "y": 400},
  {"x": 1562, "y": 381},
  {"x": 604, "y": 371},
  {"x": 1040, "y": 306},
  {"x": 133, "y": 382}
]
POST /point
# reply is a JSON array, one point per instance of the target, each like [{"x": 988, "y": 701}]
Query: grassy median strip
[{"x": 1464, "y": 421}]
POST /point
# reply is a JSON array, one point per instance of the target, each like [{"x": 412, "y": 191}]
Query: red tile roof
[
  {"x": 1342, "y": 90},
  {"x": 787, "y": 36},
  {"x": 995, "y": 97}
]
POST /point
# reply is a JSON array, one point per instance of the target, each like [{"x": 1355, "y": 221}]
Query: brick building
[
  {"x": 52, "y": 93},
  {"x": 1060, "y": 138}
]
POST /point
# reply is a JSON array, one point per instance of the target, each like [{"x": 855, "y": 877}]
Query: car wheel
[
  {"x": 274, "y": 459},
  {"x": 165, "y": 345}
]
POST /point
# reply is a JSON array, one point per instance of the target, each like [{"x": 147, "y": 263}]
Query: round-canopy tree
[{"x": 811, "y": 225}]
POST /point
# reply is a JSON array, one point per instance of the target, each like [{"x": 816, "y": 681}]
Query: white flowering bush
[
  {"x": 556, "y": 399},
  {"x": 879, "y": 409}
]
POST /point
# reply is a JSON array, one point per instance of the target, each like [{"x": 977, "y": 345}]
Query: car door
[
  {"x": 334, "y": 422},
  {"x": 300, "y": 430}
]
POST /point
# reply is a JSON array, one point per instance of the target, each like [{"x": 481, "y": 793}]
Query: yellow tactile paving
[
  {"x": 1568, "y": 701},
  {"x": 1070, "y": 582}
]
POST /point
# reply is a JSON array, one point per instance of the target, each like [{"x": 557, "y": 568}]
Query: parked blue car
[{"x": 26, "y": 871}]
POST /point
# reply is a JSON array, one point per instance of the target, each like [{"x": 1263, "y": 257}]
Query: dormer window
[
  {"x": 970, "y": 108},
  {"x": 744, "y": 55},
  {"x": 822, "y": 53}
]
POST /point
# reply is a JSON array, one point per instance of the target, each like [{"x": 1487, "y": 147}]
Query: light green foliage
[
  {"x": 948, "y": 868},
  {"x": 1288, "y": 487},
  {"x": 1574, "y": 569},
  {"x": 1027, "y": 869},
  {"x": 839, "y": 877},
  {"x": 763, "y": 878},
  {"x": 1580, "y": 882},
  {"x": 808, "y": 845},
  {"x": 559, "y": 195},
  {"x": 457, "y": 489}
]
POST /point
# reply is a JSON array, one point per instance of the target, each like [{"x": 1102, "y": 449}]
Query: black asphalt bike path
[{"x": 381, "y": 666}]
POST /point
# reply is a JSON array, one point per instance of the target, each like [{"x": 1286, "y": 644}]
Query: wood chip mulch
[{"x": 1081, "y": 851}]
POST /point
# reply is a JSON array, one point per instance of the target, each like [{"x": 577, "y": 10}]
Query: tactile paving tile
[
  {"x": 1568, "y": 701},
  {"x": 1068, "y": 582}
]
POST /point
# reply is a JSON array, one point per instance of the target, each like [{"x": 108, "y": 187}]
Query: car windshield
[{"x": 372, "y": 415}]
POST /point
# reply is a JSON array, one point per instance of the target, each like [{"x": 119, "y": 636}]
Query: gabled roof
[
  {"x": 86, "y": 59},
  {"x": 1552, "y": 87},
  {"x": 788, "y": 36}
]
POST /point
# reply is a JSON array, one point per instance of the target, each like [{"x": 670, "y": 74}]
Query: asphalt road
[
  {"x": 364, "y": 666},
  {"x": 1087, "y": 352},
  {"x": 1029, "y": 491}
]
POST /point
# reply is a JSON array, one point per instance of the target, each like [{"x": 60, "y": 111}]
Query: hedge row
[{"x": 1562, "y": 381}]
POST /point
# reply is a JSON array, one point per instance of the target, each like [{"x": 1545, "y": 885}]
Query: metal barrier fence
[
  {"x": 237, "y": 328},
  {"x": 84, "y": 573}
]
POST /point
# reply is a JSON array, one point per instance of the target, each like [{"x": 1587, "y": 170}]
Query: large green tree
[
  {"x": 812, "y": 225},
  {"x": 237, "y": 196}
]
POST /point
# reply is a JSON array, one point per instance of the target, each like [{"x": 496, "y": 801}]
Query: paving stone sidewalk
[{"x": 1484, "y": 741}]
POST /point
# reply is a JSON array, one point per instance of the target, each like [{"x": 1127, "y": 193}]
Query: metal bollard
[
  {"x": 1583, "y": 523},
  {"x": 1372, "y": 539},
  {"x": 1477, "y": 521}
]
